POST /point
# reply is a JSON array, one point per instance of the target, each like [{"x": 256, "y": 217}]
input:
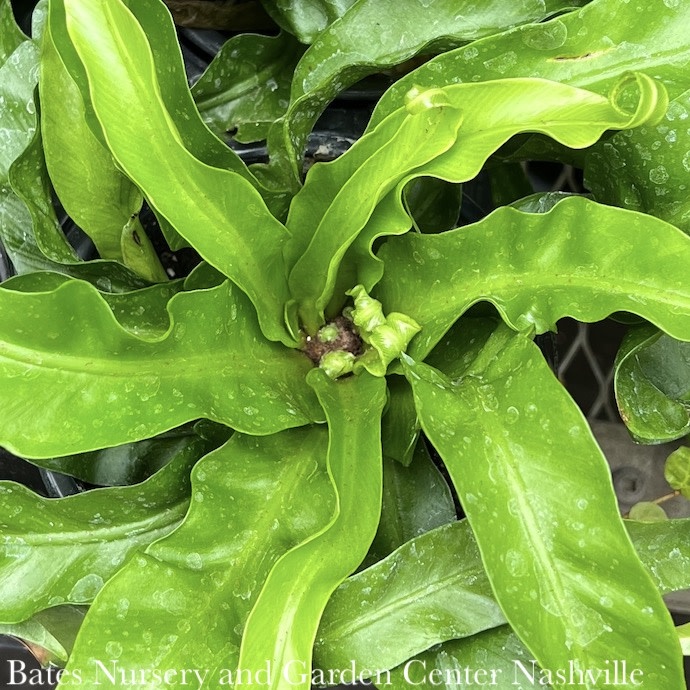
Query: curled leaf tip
[{"x": 651, "y": 101}]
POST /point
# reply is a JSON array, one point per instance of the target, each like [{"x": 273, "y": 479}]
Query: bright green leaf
[
  {"x": 431, "y": 589},
  {"x": 189, "y": 595},
  {"x": 143, "y": 312},
  {"x": 29, "y": 228},
  {"x": 325, "y": 221},
  {"x": 346, "y": 629},
  {"x": 516, "y": 105},
  {"x": 96, "y": 195},
  {"x": 66, "y": 347},
  {"x": 373, "y": 35},
  {"x": 283, "y": 623},
  {"x": 406, "y": 145},
  {"x": 57, "y": 551},
  {"x": 652, "y": 384},
  {"x": 574, "y": 49},
  {"x": 581, "y": 259},
  {"x": 156, "y": 22},
  {"x": 496, "y": 429},
  {"x": 233, "y": 230},
  {"x": 495, "y": 658}
]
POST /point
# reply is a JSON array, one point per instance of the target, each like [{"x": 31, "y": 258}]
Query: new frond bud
[
  {"x": 328, "y": 334},
  {"x": 367, "y": 314},
  {"x": 388, "y": 336},
  {"x": 338, "y": 363}
]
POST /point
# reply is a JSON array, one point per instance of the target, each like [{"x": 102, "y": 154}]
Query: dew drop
[
  {"x": 659, "y": 175},
  {"x": 85, "y": 589},
  {"x": 194, "y": 561},
  {"x": 546, "y": 37},
  {"x": 512, "y": 415},
  {"x": 113, "y": 650},
  {"x": 686, "y": 161}
]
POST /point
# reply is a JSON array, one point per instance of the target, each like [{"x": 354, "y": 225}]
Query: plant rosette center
[{"x": 362, "y": 338}]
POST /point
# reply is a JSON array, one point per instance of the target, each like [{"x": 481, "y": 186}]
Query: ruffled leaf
[
  {"x": 189, "y": 595},
  {"x": 283, "y": 623},
  {"x": 97, "y": 196},
  {"x": 57, "y": 551},
  {"x": 365, "y": 37},
  {"x": 232, "y": 229},
  {"x": 581, "y": 259},
  {"x": 29, "y": 229},
  {"x": 431, "y": 589},
  {"x": 65, "y": 348},
  {"x": 495, "y": 428},
  {"x": 447, "y": 133},
  {"x": 572, "y": 49}
]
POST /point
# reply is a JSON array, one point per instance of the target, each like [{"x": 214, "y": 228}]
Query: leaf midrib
[
  {"x": 190, "y": 189},
  {"x": 166, "y": 516},
  {"x": 235, "y": 575},
  {"x": 529, "y": 524},
  {"x": 117, "y": 367},
  {"x": 401, "y": 602}
]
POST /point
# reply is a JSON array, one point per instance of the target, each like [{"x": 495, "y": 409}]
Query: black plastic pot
[{"x": 17, "y": 470}]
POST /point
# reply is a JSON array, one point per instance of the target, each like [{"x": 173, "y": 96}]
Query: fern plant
[{"x": 270, "y": 512}]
